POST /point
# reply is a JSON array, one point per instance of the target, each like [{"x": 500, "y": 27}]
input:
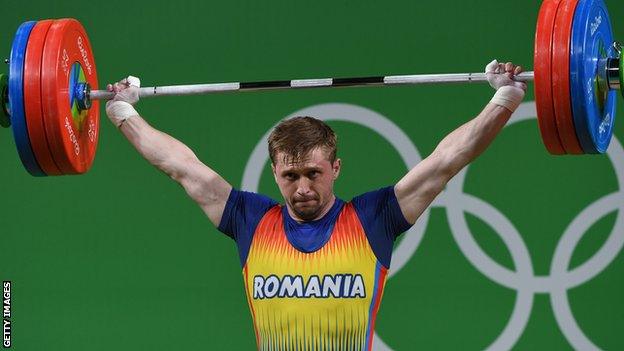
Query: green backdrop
[{"x": 120, "y": 258}]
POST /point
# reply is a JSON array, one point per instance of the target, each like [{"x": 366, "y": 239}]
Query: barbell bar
[
  {"x": 51, "y": 97},
  {"x": 195, "y": 89}
]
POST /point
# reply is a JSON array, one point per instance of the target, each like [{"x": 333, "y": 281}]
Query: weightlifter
[{"x": 314, "y": 268}]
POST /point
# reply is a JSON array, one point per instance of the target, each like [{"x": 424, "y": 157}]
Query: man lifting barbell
[
  {"x": 314, "y": 268},
  {"x": 317, "y": 263}
]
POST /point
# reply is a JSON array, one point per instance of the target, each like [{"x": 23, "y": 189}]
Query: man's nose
[{"x": 303, "y": 186}]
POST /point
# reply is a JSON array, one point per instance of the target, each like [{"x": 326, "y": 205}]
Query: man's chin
[{"x": 306, "y": 212}]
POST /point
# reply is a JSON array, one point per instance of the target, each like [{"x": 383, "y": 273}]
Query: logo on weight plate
[
  {"x": 92, "y": 132},
  {"x": 85, "y": 56},
  {"x": 457, "y": 203},
  {"x": 72, "y": 136},
  {"x": 596, "y": 24},
  {"x": 65, "y": 62}
]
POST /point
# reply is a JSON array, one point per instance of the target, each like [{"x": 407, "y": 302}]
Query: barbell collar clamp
[
  {"x": 82, "y": 93},
  {"x": 613, "y": 73}
]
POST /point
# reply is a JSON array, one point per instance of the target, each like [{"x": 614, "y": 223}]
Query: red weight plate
[
  {"x": 543, "y": 88},
  {"x": 72, "y": 134},
  {"x": 32, "y": 98},
  {"x": 560, "y": 70}
]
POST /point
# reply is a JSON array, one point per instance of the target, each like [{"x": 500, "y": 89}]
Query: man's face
[{"x": 307, "y": 185}]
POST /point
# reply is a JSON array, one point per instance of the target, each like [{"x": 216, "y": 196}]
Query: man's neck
[{"x": 322, "y": 214}]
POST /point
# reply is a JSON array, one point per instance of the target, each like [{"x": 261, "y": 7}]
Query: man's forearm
[
  {"x": 158, "y": 148},
  {"x": 207, "y": 188},
  {"x": 419, "y": 187},
  {"x": 467, "y": 142}
]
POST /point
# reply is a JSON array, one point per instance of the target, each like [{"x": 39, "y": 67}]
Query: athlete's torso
[{"x": 326, "y": 299}]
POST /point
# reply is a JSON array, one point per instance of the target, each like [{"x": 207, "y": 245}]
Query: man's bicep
[
  {"x": 421, "y": 185},
  {"x": 207, "y": 188}
]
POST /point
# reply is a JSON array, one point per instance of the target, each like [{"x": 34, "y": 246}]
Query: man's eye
[
  {"x": 313, "y": 174},
  {"x": 291, "y": 176}
]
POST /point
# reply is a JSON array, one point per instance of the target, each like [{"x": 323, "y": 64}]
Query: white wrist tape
[
  {"x": 120, "y": 111},
  {"x": 134, "y": 81},
  {"x": 509, "y": 97}
]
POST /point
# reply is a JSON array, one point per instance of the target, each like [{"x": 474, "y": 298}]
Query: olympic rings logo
[{"x": 457, "y": 203}]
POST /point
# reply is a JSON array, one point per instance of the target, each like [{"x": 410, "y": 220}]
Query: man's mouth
[{"x": 305, "y": 201}]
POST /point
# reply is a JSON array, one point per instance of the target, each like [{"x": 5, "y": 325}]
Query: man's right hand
[
  {"x": 120, "y": 108},
  {"x": 502, "y": 74},
  {"x": 509, "y": 93}
]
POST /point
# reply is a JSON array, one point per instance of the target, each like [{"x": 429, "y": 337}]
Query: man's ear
[{"x": 336, "y": 168}]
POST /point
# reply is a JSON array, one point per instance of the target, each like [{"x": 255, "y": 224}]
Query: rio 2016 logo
[{"x": 457, "y": 203}]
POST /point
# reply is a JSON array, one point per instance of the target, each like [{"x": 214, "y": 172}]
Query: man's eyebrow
[{"x": 301, "y": 170}]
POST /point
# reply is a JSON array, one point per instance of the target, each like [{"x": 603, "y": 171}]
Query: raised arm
[
  {"x": 166, "y": 153},
  {"x": 420, "y": 186}
]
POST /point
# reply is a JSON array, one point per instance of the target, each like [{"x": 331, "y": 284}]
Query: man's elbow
[{"x": 179, "y": 169}]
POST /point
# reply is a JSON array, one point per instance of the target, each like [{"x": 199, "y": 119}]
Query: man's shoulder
[
  {"x": 373, "y": 195},
  {"x": 250, "y": 197}
]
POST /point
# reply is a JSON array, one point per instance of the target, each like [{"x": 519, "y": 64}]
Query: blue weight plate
[
  {"x": 16, "y": 99},
  {"x": 591, "y": 44}
]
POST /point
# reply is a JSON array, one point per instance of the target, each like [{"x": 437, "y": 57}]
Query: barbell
[{"x": 51, "y": 102}]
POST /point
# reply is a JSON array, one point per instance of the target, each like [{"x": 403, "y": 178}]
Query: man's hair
[{"x": 297, "y": 136}]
